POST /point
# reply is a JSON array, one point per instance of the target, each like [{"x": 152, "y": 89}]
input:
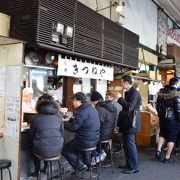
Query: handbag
[
  {"x": 127, "y": 119},
  {"x": 124, "y": 121}
]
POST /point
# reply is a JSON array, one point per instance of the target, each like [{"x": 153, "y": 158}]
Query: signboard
[
  {"x": 68, "y": 67},
  {"x": 173, "y": 34}
]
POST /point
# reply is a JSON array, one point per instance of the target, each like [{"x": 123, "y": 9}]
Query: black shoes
[
  {"x": 130, "y": 171},
  {"x": 168, "y": 161},
  {"x": 158, "y": 155}
]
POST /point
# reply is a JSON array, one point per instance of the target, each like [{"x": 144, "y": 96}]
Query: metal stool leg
[
  {"x": 48, "y": 170},
  {"x": 110, "y": 150},
  {"x": 100, "y": 163},
  {"x": 59, "y": 163},
  {"x": 9, "y": 173},
  {"x": 51, "y": 169},
  {"x": 1, "y": 175}
]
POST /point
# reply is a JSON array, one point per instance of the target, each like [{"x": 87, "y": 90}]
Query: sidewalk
[{"x": 150, "y": 169}]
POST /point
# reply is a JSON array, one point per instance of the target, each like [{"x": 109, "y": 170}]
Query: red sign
[{"x": 173, "y": 34}]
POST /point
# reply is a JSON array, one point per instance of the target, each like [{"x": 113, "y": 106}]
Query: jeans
[
  {"x": 130, "y": 150},
  {"x": 70, "y": 152}
]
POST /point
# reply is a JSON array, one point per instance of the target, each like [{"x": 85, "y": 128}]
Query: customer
[
  {"x": 46, "y": 130},
  {"x": 131, "y": 102},
  {"x": 168, "y": 107},
  {"x": 110, "y": 97},
  {"x": 107, "y": 116},
  {"x": 86, "y": 125}
]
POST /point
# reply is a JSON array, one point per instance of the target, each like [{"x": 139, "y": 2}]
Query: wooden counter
[{"x": 149, "y": 130}]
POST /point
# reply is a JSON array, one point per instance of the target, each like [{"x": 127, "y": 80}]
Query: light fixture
[
  {"x": 58, "y": 27},
  {"x": 68, "y": 31},
  {"x": 31, "y": 58},
  {"x": 116, "y": 5}
]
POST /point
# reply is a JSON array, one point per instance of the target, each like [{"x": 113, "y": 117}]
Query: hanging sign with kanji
[{"x": 68, "y": 67}]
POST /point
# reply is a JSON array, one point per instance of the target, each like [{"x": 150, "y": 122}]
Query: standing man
[
  {"x": 86, "y": 125},
  {"x": 168, "y": 107},
  {"x": 131, "y": 102}
]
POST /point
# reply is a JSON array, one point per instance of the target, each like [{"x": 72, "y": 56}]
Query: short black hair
[
  {"x": 173, "y": 81},
  {"x": 127, "y": 78}
]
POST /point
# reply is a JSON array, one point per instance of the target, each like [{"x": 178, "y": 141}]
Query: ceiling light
[{"x": 118, "y": 6}]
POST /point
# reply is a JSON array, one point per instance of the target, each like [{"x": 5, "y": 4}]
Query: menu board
[
  {"x": 13, "y": 81},
  {"x": 2, "y": 80}
]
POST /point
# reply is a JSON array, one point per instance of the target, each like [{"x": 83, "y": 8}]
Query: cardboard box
[
  {"x": 149, "y": 74},
  {"x": 152, "y": 75},
  {"x": 4, "y": 24}
]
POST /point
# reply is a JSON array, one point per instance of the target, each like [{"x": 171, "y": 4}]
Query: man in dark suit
[{"x": 131, "y": 103}]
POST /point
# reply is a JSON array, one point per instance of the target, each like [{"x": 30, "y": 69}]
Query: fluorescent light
[
  {"x": 60, "y": 28},
  {"x": 69, "y": 31}
]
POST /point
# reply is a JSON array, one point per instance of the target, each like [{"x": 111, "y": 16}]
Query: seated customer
[
  {"x": 46, "y": 130},
  {"x": 107, "y": 116},
  {"x": 86, "y": 125}
]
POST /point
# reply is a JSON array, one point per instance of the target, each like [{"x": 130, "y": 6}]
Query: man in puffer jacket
[
  {"x": 46, "y": 130},
  {"x": 168, "y": 107},
  {"x": 86, "y": 125}
]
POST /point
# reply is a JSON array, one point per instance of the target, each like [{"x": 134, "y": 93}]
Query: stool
[
  {"x": 117, "y": 143},
  {"x": 49, "y": 164},
  {"x": 5, "y": 164},
  {"x": 91, "y": 151},
  {"x": 109, "y": 147}
]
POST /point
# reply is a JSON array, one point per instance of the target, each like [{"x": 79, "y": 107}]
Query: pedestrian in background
[{"x": 168, "y": 108}]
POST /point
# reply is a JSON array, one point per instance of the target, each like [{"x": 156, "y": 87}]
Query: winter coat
[
  {"x": 47, "y": 130},
  {"x": 132, "y": 102},
  {"x": 168, "y": 97},
  {"x": 86, "y": 125},
  {"x": 117, "y": 107},
  {"x": 107, "y": 116}
]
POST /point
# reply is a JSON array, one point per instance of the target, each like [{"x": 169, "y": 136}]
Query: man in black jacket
[
  {"x": 107, "y": 116},
  {"x": 168, "y": 107},
  {"x": 131, "y": 103},
  {"x": 86, "y": 125}
]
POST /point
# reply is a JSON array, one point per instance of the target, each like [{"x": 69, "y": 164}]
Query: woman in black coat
[{"x": 46, "y": 130}]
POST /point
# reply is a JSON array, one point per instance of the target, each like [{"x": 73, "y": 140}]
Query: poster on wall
[
  {"x": 12, "y": 107},
  {"x": 13, "y": 81},
  {"x": 162, "y": 32},
  {"x": 101, "y": 87},
  {"x": 68, "y": 67},
  {"x": 173, "y": 34},
  {"x": 10, "y": 129},
  {"x": 2, "y": 80},
  {"x": 86, "y": 84}
]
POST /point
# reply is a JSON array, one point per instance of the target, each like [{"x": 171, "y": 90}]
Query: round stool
[
  {"x": 90, "y": 168},
  {"x": 109, "y": 148},
  {"x": 49, "y": 163},
  {"x": 5, "y": 164}
]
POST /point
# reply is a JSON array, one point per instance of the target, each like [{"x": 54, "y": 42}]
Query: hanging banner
[{"x": 68, "y": 67}]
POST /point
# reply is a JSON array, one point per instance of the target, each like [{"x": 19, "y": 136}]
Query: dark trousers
[
  {"x": 70, "y": 152},
  {"x": 130, "y": 150},
  {"x": 37, "y": 164}
]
